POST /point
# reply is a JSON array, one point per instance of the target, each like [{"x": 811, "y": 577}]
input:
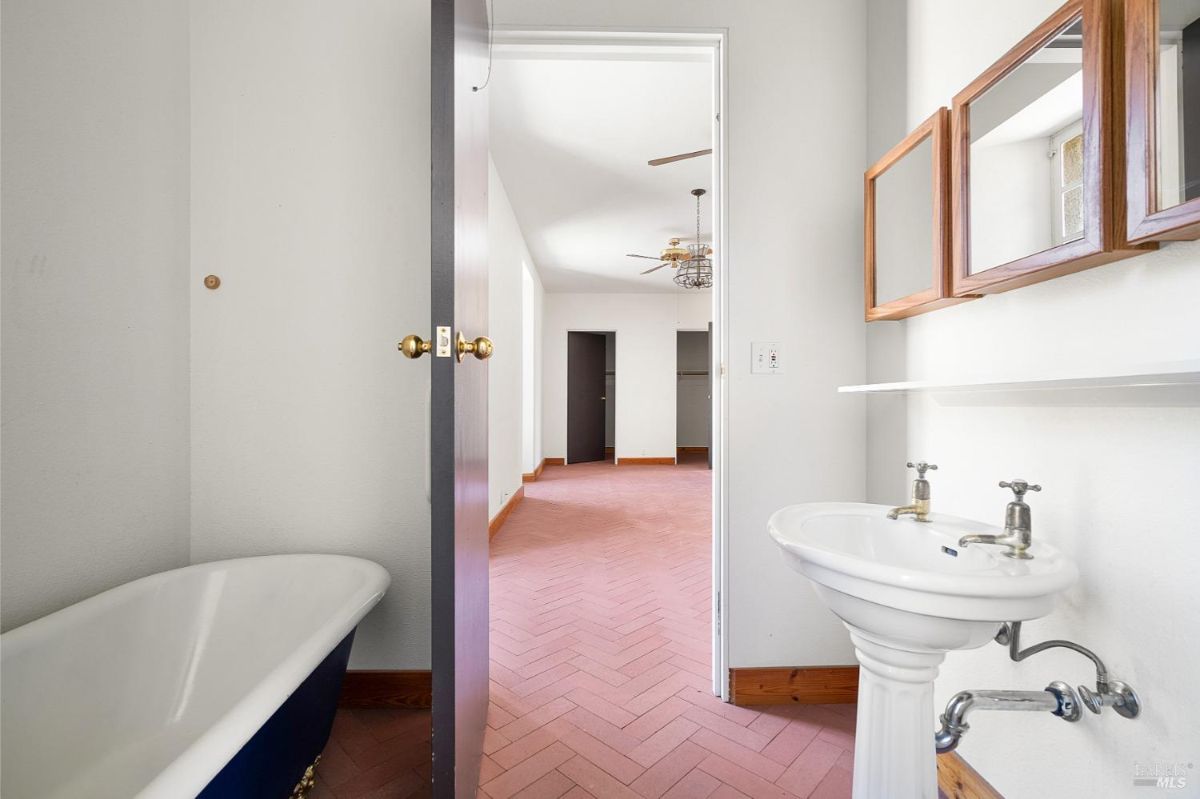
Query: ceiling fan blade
[
  {"x": 655, "y": 269},
  {"x": 681, "y": 157},
  {"x": 649, "y": 257}
]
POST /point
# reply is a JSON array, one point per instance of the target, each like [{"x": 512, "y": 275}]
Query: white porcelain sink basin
[
  {"x": 854, "y": 550},
  {"x": 908, "y": 593}
]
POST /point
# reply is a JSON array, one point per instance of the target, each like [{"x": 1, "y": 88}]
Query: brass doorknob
[
  {"x": 414, "y": 346},
  {"x": 481, "y": 347}
]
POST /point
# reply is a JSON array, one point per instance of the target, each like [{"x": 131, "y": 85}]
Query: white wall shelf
[{"x": 1179, "y": 373}]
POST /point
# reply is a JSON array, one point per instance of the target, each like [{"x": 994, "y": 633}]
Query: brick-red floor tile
[{"x": 600, "y": 667}]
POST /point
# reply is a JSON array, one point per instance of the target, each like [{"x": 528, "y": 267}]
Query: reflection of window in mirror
[
  {"x": 1026, "y": 156},
  {"x": 1066, "y": 183},
  {"x": 1178, "y": 102}
]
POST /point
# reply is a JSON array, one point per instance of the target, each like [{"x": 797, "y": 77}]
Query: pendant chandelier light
[{"x": 696, "y": 272}]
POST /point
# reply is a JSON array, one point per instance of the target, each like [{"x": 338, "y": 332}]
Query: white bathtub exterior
[{"x": 149, "y": 689}]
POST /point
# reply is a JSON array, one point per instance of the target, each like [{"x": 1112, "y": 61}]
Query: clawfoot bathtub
[{"x": 219, "y": 679}]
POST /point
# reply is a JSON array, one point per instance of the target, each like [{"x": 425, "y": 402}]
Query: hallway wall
[
  {"x": 645, "y": 326},
  {"x": 507, "y": 258}
]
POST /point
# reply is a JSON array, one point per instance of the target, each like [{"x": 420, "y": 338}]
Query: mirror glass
[
  {"x": 1178, "y": 102},
  {"x": 904, "y": 225},
  {"x": 1027, "y": 156}
]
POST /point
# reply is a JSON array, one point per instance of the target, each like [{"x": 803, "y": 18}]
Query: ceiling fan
[
  {"x": 692, "y": 263},
  {"x": 670, "y": 159},
  {"x": 671, "y": 255}
]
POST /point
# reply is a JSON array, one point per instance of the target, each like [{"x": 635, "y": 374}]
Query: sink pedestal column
[{"x": 893, "y": 744}]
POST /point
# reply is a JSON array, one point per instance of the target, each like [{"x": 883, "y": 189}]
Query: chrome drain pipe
[{"x": 1058, "y": 698}]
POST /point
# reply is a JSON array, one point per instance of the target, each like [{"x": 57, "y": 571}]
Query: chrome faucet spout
[
  {"x": 905, "y": 510},
  {"x": 1018, "y": 526}
]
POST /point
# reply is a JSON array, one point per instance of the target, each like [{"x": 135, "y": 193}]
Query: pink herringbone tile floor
[
  {"x": 600, "y": 668},
  {"x": 601, "y": 680}
]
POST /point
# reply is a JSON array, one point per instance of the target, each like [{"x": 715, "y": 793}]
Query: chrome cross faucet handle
[
  {"x": 918, "y": 506},
  {"x": 922, "y": 467},
  {"x": 1019, "y": 487},
  {"x": 1018, "y": 523}
]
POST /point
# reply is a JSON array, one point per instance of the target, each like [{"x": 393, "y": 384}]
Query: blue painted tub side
[{"x": 274, "y": 759}]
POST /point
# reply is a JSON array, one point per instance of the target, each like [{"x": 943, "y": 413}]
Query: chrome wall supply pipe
[
  {"x": 1057, "y": 698},
  {"x": 1109, "y": 693}
]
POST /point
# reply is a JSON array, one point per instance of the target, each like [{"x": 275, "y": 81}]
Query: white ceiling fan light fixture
[
  {"x": 670, "y": 255},
  {"x": 693, "y": 264},
  {"x": 697, "y": 271}
]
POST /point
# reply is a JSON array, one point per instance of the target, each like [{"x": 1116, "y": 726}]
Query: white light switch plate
[{"x": 766, "y": 359}]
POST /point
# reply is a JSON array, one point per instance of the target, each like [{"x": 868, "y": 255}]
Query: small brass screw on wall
[{"x": 212, "y": 282}]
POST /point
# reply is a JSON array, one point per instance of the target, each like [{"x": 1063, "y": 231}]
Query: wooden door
[
  {"x": 458, "y": 412},
  {"x": 585, "y": 397},
  {"x": 709, "y": 369}
]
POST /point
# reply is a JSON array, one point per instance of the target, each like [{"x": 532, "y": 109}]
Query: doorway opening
[
  {"x": 591, "y": 383},
  {"x": 693, "y": 397},
  {"x": 606, "y": 579}
]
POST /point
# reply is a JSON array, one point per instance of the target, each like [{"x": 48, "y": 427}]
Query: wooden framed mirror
[
  {"x": 1035, "y": 159},
  {"x": 1162, "y": 125},
  {"x": 906, "y": 215}
]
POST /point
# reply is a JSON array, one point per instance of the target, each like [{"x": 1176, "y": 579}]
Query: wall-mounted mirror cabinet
[
  {"x": 1034, "y": 158},
  {"x": 1162, "y": 82},
  {"x": 907, "y": 243}
]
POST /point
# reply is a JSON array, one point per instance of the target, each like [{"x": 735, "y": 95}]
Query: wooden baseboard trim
[
  {"x": 694, "y": 450},
  {"x": 957, "y": 780},
  {"x": 495, "y": 524},
  {"x": 531, "y": 477},
  {"x": 555, "y": 462},
  {"x": 809, "y": 685},
  {"x": 387, "y": 688},
  {"x": 645, "y": 461}
]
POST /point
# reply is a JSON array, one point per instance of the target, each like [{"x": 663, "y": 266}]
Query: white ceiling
[
  {"x": 571, "y": 131},
  {"x": 1175, "y": 15}
]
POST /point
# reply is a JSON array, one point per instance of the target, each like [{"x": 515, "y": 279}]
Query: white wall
[
  {"x": 887, "y": 124},
  {"x": 1117, "y": 471},
  {"x": 95, "y": 298},
  {"x": 788, "y": 60},
  {"x": 532, "y": 308},
  {"x": 310, "y": 198},
  {"x": 508, "y": 259}
]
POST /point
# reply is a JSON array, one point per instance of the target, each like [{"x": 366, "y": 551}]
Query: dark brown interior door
[
  {"x": 458, "y": 412},
  {"x": 585, "y": 397}
]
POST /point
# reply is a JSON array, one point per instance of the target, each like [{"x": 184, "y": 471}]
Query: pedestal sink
[{"x": 908, "y": 594}]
